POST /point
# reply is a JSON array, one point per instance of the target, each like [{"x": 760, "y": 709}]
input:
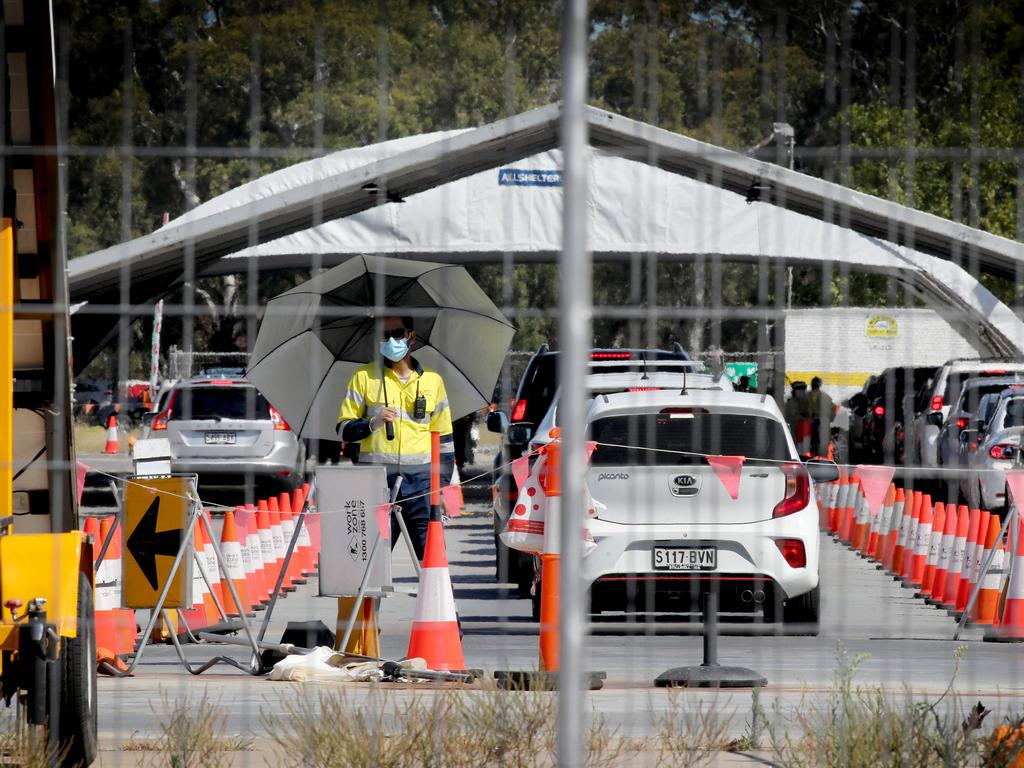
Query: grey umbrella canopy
[{"x": 313, "y": 337}]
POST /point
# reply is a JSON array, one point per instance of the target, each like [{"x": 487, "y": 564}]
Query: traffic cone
[
  {"x": 302, "y": 547},
  {"x": 234, "y": 567},
  {"x": 838, "y": 489},
  {"x": 880, "y": 529},
  {"x": 1011, "y": 624},
  {"x": 923, "y": 542},
  {"x": 956, "y": 558},
  {"x": 288, "y": 529},
  {"x": 277, "y": 534},
  {"x": 907, "y": 572},
  {"x": 895, "y": 525},
  {"x": 846, "y": 518},
  {"x": 975, "y": 538},
  {"x": 934, "y": 547},
  {"x": 267, "y": 550},
  {"x": 365, "y": 637},
  {"x": 861, "y": 515},
  {"x": 104, "y": 604},
  {"x": 945, "y": 555},
  {"x": 126, "y": 630},
  {"x": 112, "y": 445},
  {"x": 245, "y": 519},
  {"x": 197, "y": 617},
  {"x": 209, "y": 560},
  {"x": 986, "y": 607},
  {"x": 435, "y": 628}
]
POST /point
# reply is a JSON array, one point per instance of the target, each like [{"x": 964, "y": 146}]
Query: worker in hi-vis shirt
[{"x": 391, "y": 407}]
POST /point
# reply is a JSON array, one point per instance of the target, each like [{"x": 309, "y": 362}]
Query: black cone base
[
  {"x": 542, "y": 681},
  {"x": 711, "y": 676}
]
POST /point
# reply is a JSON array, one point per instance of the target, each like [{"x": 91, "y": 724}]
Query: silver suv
[{"x": 224, "y": 430}]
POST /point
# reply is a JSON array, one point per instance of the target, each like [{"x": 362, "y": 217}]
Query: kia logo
[{"x": 684, "y": 481}]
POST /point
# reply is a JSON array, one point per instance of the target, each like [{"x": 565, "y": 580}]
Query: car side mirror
[
  {"x": 520, "y": 434},
  {"x": 497, "y": 421},
  {"x": 822, "y": 470}
]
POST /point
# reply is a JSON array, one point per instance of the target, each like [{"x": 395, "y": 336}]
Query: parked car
[
  {"x": 533, "y": 398},
  {"x": 666, "y": 526},
  {"x": 993, "y": 447},
  {"x": 922, "y": 435},
  {"x": 224, "y": 430},
  {"x": 879, "y": 409}
]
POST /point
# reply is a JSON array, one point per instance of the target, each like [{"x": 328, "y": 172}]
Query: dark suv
[{"x": 533, "y": 398}]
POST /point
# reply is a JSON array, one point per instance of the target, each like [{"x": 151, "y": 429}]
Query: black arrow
[{"x": 145, "y": 543}]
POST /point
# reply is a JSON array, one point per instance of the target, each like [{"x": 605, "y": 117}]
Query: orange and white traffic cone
[
  {"x": 277, "y": 533},
  {"x": 112, "y": 445},
  {"x": 945, "y": 555},
  {"x": 303, "y": 546},
  {"x": 108, "y": 642},
  {"x": 931, "y": 563},
  {"x": 288, "y": 531},
  {"x": 922, "y": 543},
  {"x": 964, "y": 585},
  {"x": 209, "y": 561},
  {"x": 836, "y": 492},
  {"x": 956, "y": 559},
  {"x": 849, "y": 508},
  {"x": 249, "y": 539},
  {"x": 267, "y": 549},
  {"x": 435, "y": 624},
  {"x": 126, "y": 630},
  {"x": 986, "y": 607},
  {"x": 978, "y": 555},
  {"x": 907, "y": 572},
  {"x": 895, "y": 525},
  {"x": 1011, "y": 624},
  {"x": 880, "y": 525},
  {"x": 234, "y": 568},
  {"x": 197, "y": 617}
]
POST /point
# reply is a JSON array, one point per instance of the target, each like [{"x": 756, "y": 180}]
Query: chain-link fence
[{"x": 730, "y": 291}]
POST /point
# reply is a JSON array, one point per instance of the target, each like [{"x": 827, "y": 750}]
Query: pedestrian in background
[
  {"x": 822, "y": 409},
  {"x": 797, "y": 412}
]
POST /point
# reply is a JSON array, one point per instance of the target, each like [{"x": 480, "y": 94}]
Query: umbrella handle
[{"x": 389, "y": 430}]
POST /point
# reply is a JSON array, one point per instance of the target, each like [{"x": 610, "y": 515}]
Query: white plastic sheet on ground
[{"x": 325, "y": 665}]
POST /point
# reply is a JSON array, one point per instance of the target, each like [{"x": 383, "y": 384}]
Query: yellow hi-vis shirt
[{"x": 375, "y": 386}]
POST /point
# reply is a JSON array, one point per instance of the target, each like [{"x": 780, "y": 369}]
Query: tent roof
[{"x": 291, "y": 203}]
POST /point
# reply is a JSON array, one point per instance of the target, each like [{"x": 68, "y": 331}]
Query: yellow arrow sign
[{"x": 155, "y": 517}]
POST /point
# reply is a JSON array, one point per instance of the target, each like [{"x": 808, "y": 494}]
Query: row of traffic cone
[
  {"x": 935, "y": 548},
  {"x": 254, "y": 542},
  {"x": 115, "y": 626}
]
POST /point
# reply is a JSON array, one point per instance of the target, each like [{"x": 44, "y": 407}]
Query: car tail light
[
  {"x": 222, "y": 382},
  {"x": 961, "y": 423},
  {"x": 879, "y": 410},
  {"x": 1003, "y": 451},
  {"x": 798, "y": 491},
  {"x": 995, "y": 371},
  {"x": 644, "y": 389},
  {"x": 519, "y": 412},
  {"x": 793, "y": 552},
  {"x": 937, "y": 403},
  {"x": 611, "y": 356},
  {"x": 278, "y": 420}
]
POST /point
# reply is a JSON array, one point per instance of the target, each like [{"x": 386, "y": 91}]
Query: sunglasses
[{"x": 395, "y": 333}]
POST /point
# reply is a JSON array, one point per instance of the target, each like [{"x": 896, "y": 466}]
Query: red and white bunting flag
[
  {"x": 452, "y": 498},
  {"x": 521, "y": 470},
  {"x": 1015, "y": 481},
  {"x": 383, "y": 513},
  {"x": 729, "y": 470}
]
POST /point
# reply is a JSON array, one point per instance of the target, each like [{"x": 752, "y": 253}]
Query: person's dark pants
[{"x": 415, "y": 511}]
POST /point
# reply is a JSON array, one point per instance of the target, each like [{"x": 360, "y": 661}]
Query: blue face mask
[{"x": 394, "y": 349}]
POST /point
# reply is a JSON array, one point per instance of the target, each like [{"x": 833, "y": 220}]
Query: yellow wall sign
[
  {"x": 156, "y": 513},
  {"x": 882, "y": 327}
]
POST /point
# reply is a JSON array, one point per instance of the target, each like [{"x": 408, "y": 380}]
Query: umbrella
[{"x": 313, "y": 337}]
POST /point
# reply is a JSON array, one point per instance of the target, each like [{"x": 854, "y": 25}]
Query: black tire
[
  {"x": 78, "y": 705},
  {"x": 801, "y": 615}
]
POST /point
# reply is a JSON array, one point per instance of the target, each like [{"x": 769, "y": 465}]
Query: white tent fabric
[{"x": 634, "y": 207}]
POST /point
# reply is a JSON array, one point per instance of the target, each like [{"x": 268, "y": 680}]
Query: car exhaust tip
[
  {"x": 758, "y": 596},
  {"x": 746, "y": 596}
]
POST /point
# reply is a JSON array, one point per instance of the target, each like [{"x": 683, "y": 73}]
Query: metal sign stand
[
  {"x": 159, "y": 611},
  {"x": 1011, "y": 519}
]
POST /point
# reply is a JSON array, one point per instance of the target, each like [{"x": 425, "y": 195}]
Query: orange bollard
[
  {"x": 956, "y": 559},
  {"x": 907, "y": 572},
  {"x": 986, "y": 607},
  {"x": 934, "y": 547},
  {"x": 923, "y": 541},
  {"x": 945, "y": 554},
  {"x": 112, "y": 445},
  {"x": 964, "y": 586},
  {"x": 895, "y": 525},
  {"x": 267, "y": 549},
  {"x": 234, "y": 568}
]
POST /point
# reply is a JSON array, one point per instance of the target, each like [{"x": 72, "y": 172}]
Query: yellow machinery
[{"x": 47, "y": 637}]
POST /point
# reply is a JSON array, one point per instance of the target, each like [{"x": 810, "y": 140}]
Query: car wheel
[
  {"x": 801, "y": 614},
  {"x": 506, "y": 563}
]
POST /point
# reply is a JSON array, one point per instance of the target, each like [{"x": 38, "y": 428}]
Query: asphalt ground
[{"x": 901, "y": 645}]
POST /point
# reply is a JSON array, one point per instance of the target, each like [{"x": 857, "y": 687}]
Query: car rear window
[
  {"x": 225, "y": 402},
  {"x": 970, "y": 398},
  {"x": 538, "y": 387},
  {"x": 955, "y": 381},
  {"x": 628, "y": 440},
  {"x": 1014, "y": 414}
]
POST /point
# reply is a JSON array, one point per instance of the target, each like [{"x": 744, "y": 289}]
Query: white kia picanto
[{"x": 666, "y": 524}]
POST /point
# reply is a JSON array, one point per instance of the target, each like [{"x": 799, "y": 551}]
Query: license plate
[
  {"x": 685, "y": 558},
  {"x": 220, "y": 438}
]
